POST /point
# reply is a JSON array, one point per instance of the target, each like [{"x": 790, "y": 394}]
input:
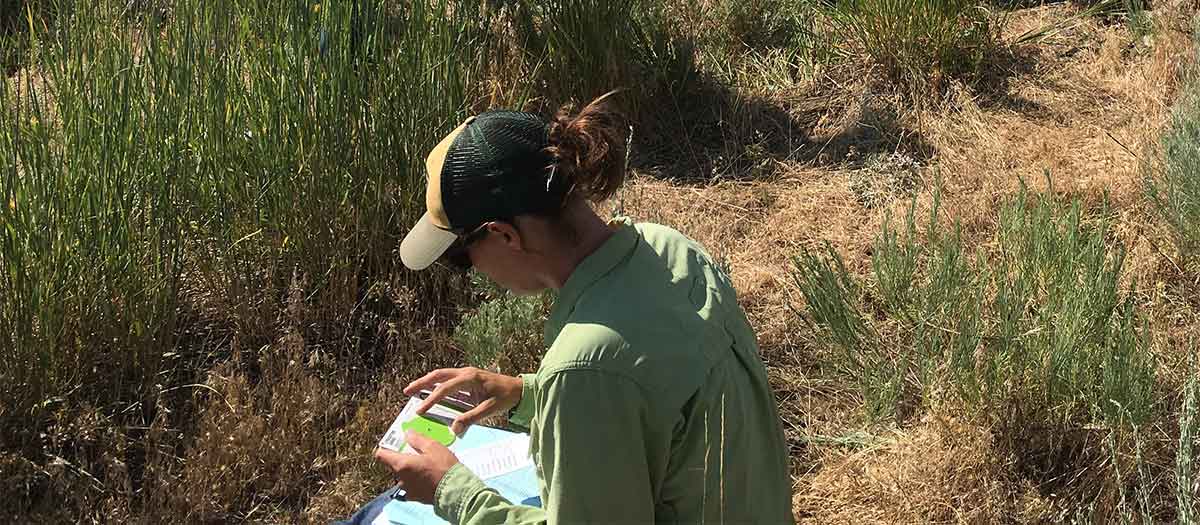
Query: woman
[{"x": 651, "y": 403}]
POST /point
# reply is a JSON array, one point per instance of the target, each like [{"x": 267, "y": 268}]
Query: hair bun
[{"x": 588, "y": 149}]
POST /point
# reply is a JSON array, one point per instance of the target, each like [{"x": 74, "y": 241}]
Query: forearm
[{"x": 463, "y": 499}]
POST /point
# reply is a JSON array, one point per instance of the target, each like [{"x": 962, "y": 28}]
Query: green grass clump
[
  {"x": 916, "y": 45},
  {"x": 1186, "y": 484},
  {"x": 751, "y": 43},
  {"x": 760, "y": 24},
  {"x": 581, "y": 49},
  {"x": 1174, "y": 188},
  {"x": 1036, "y": 332}
]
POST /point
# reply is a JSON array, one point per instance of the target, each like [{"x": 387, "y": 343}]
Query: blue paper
[{"x": 520, "y": 486}]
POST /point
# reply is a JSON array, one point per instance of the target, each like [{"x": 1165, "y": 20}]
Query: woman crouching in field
[{"x": 651, "y": 403}]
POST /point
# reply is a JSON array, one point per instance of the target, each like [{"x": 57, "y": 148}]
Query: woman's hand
[
  {"x": 419, "y": 474},
  {"x": 492, "y": 393}
]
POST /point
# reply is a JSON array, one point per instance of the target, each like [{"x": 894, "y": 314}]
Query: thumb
[
  {"x": 396, "y": 461},
  {"x": 460, "y": 424},
  {"x": 418, "y": 441}
]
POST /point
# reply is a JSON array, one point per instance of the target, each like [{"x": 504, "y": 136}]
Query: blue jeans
[{"x": 368, "y": 512}]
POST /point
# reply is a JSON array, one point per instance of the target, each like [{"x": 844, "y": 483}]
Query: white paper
[
  {"x": 393, "y": 439},
  {"x": 499, "y": 458},
  {"x": 487, "y": 461}
]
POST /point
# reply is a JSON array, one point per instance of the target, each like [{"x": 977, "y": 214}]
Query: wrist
[
  {"x": 517, "y": 387},
  {"x": 512, "y": 394},
  {"x": 522, "y": 411}
]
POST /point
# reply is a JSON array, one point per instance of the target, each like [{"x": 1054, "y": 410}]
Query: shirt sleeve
[
  {"x": 592, "y": 458},
  {"x": 461, "y": 497},
  {"x": 523, "y": 412},
  {"x": 593, "y": 449}
]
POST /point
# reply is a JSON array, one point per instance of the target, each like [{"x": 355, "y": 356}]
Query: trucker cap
[{"x": 491, "y": 167}]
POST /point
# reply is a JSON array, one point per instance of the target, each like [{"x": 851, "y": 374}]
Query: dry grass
[
  {"x": 1068, "y": 107},
  {"x": 942, "y": 471},
  {"x": 1088, "y": 105},
  {"x": 286, "y": 437},
  {"x": 291, "y": 446}
]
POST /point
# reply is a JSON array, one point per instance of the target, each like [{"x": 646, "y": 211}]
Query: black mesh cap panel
[{"x": 496, "y": 169}]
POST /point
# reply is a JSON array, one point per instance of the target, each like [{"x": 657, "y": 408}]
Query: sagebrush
[
  {"x": 1039, "y": 329},
  {"x": 1173, "y": 186}
]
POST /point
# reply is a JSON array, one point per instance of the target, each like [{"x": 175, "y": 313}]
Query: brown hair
[{"x": 588, "y": 148}]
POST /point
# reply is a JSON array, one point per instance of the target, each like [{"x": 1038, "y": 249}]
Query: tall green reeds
[
  {"x": 92, "y": 230},
  {"x": 162, "y": 177},
  {"x": 582, "y": 49}
]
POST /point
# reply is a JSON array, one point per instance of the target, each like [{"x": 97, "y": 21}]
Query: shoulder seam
[{"x": 583, "y": 365}]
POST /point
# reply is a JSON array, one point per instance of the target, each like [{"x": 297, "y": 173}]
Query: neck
[{"x": 591, "y": 232}]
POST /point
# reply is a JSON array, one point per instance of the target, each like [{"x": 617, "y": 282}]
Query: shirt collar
[{"x": 591, "y": 269}]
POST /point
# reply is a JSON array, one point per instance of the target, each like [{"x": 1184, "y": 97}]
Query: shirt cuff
[
  {"x": 457, "y": 487},
  {"x": 523, "y": 412}
]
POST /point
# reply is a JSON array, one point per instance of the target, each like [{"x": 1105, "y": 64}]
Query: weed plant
[
  {"x": 761, "y": 24},
  {"x": 916, "y": 45},
  {"x": 1099, "y": 9},
  {"x": 1037, "y": 332},
  {"x": 1135, "y": 486},
  {"x": 1031, "y": 337},
  {"x": 1173, "y": 187},
  {"x": 752, "y": 42},
  {"x": 1187, "y": 485},
  {"x": 1138, "y": 18},
  {"x": 505, "y": 331}
]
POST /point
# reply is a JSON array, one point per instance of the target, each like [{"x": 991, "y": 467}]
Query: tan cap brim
[{"x": 424, "y": 244}]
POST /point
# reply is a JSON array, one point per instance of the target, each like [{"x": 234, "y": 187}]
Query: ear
[{"x": 507, "y": 233}]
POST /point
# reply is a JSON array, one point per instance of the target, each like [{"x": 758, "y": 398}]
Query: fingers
[
  {"x": 445, "y": 388},
  {"x": 383, "y": 454},
  {"x": 418, "y": 441},
  {"x": 397, "y": 461},
  {"x": 429, "y": 380},
  {"x": 430, "y": 453},
  {"x": 472, "y": 416}
]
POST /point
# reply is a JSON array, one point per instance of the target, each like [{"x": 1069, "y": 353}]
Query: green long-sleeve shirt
[{"x": 651, "y": 404}]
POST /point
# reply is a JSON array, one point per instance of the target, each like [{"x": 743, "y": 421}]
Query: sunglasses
[{"x": 456, "y": 256}]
